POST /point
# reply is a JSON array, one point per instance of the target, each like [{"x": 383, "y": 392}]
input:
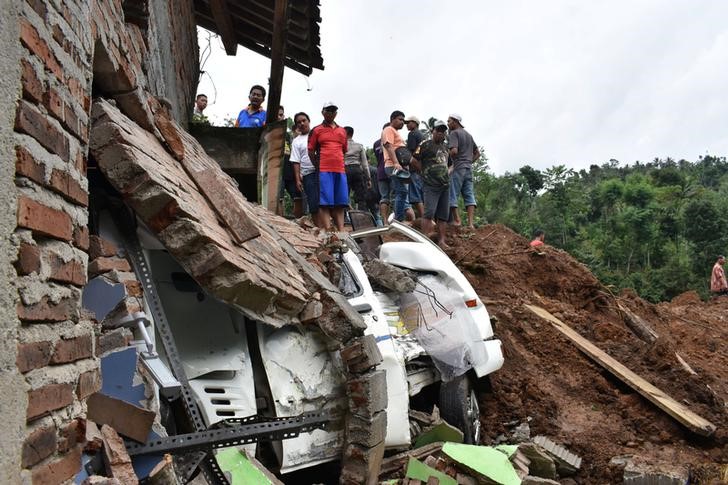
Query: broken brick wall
[{"x": 57, "y": 56}]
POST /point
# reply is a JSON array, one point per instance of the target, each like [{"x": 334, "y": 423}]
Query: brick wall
[{"x": 66, "y": 52}]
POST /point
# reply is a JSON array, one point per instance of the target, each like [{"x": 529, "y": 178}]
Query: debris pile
[{"x": 679, "y": 347}]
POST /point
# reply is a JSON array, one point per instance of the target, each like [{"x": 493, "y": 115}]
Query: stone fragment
[
  {"x": 361, "y": 354},
  {"x": 542, "y": 465},
  {"x": 94, "y": 440},
  {"x": 116, "y": 459},
  {"x": 366, "y": 431},
  {"x": 567, "y": 463},
  {"x": 389, "y": 276},
  {"x": 531, "y": 480}
]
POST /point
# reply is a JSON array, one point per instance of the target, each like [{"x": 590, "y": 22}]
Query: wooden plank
[
  {"x": 224, "y": 22},
  {"x": 277, "y": 54},
  {"x": 681, "y": 413}
]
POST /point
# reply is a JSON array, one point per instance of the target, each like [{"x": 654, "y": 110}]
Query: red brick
[
  {"x": 117, "y": 461},
  {"x": 98, "y": 246},
  {"x": 28, "y": 259},
  {"x": 27, "y": 166},
  {"x": 72, "y": 349},
  {"x": 44, "y": 220},
  {"x": 104, "y": 265},
  {"x": 73, "y": 271},
  {"x": 74, "y": 433},
  {"x": 79, "y": 91},
  {"x": 60, "y": 470},
  {"x": 65, "y": 184},
  {"x": 47, "y": 311},
  {"x": 39, "y": 7},
  {"x": 80, "y": 237},
  {"x": 88, "y": 383},
  {"x": 48, "y": 398},
  {"x": 31, "y": 39},
  {"x": 53, "y": 102},
  {"x": 31, "y": 121},
  {"x": 75, "y": 124},
  {"x": 115, "y": 339},
  {"x": 33, "y": 355},
  {"x": 32, "y": 86},
  {"x": 41, "y": 444}
]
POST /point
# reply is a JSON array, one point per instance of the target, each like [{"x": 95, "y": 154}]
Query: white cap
[
  {"x": 330, "y": 104},
  {"x": 412, "y": 118},
  {"x": 456, "y": 116},
  {"x": 439, "y": 123}
]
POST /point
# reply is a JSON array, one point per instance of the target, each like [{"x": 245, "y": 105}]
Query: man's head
[
  {"x": 396, "y": 120},
  {"x": 454, "y": 121},
  {"x": 329, "y": 112},
  {"x": 412, "y": 122},
  {"x": 256, "y": 96},
  {"x": 438, "y": 131},
  {"x": 281, "y": 113},
  {"x": 302, "y": 122},
  {"x": 539, "y": 234},
  {"x": 201, "y": 102},
  {"x": 349, "y": 132},
  {"x": 721, "y": 260}
]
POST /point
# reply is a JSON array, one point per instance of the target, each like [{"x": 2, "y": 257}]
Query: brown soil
[{"x": 573, "y": 400}]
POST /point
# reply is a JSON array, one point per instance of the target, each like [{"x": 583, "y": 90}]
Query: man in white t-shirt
[{"x": 304, "y": 172}]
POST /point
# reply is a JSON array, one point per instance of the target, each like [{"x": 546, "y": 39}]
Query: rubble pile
[{"x": 680, "y": 347}]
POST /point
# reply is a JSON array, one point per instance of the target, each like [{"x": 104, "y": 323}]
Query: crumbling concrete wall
[
  {"x": 13, "y": 400},
  {"x": 57, "y": 55}
]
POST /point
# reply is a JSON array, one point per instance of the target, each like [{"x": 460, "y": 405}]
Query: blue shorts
[
  {"x": 415, "y": 189},
  {"x": 311, "y": 189},
  {"x": 333, "y": 189},
  {"x": 461, "y": 182}
]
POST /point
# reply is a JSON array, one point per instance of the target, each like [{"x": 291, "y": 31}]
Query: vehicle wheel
[{"x": 459, "y": 407}]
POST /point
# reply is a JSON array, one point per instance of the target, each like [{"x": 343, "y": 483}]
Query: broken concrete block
[
  {"x": 567, "y": 463},
  {"x": 367, "y": 393},
  {"x": 638, "y": 473},
  {"x": 361, "y": 465},
  {"x": 94, "y": 440},
  {"x": 361, "y": 354},
  {"x": 366, "y": 431},
  {"x": 542, "y": 465},
  {"x": 129, "y": 420},
  {"x": 531, "y": 480},
  {"x": 440, "y": 432},
  {"x": 99, "y": 480},
  {"x": 389, "y": 276},
  {"x": 313, "y": 310},
  {"x": 116, "y": 459}
]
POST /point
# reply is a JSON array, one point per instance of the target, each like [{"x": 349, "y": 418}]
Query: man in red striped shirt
[{"x": 326, "y": 148}]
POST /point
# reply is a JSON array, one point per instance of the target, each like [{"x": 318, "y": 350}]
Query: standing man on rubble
[
  {"x": 398, "y": 175},
  {"x": 463, "y": 151},
  {"x": 357, "y": 169},
  {"x": 430, "y": 158},
  {"x": 718, "y": 284},
  {"x": 414, "y": 138},
  {"x": 254, "y": 115},
  {"x": 326, "y": 148},
  {"x": 304, "y": 173}
]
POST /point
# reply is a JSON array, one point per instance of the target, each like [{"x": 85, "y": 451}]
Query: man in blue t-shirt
[{"x": 254, "y": 115}]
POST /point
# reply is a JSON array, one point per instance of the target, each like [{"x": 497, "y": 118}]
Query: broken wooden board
[
  {"x": 681, "y": 413},
  {"x": 637, "y": 324}
]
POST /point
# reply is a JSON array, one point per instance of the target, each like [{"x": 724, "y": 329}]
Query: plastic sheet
[{"x": 443, "y": 325}]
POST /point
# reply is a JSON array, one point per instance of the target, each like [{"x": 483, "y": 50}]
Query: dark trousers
[{"x": 357, "y": 182}]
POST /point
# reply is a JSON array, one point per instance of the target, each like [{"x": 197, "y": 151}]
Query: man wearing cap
[
  {"x": 391, "y": 142},
  {"x": 718, "y": 284},
  {"x": 463, "y": 151},
  {"x": 254, "y": 115},
  {"x": 430, "y": 159},
  {"x": 414, "y": 138},
  {"x": 326, "y": 148},
  {"x": 304, "y": 172}
]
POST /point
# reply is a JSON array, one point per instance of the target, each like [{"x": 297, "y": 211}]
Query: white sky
[{"x": 537, "y": 82}]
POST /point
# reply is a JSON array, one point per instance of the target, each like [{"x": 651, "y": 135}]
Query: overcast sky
[{"x": 536, "y": 82}]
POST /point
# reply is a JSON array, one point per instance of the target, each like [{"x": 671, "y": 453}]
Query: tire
[{"x": 459, "y": 407}]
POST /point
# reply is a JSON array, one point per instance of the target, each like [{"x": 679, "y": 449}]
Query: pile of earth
[{"x": 547, "y": 382}]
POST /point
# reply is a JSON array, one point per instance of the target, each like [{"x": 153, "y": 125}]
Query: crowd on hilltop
[{"x": 420, "y": 177}]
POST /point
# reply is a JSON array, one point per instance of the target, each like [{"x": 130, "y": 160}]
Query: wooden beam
[
  {"x": 223, "y": 20},
  {"x": 277, "y": 57},
  {"x": 681, "y": 413}
]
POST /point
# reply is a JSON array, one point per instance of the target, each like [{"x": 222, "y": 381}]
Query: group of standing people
[{"x": 423, "y": 176}]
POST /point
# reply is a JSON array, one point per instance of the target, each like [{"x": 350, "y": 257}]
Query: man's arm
[
  {"x": 365, "y": 164},
  {"x": 297, "y": 175},
  {"x": 312, "y": 145},
  {"x": 476, "y": 152}
]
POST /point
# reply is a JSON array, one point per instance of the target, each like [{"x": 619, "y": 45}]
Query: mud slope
[{"x": 573, "y": 400}]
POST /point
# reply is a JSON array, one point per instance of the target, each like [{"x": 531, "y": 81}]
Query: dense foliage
[{"x": 655, "y": 227}]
